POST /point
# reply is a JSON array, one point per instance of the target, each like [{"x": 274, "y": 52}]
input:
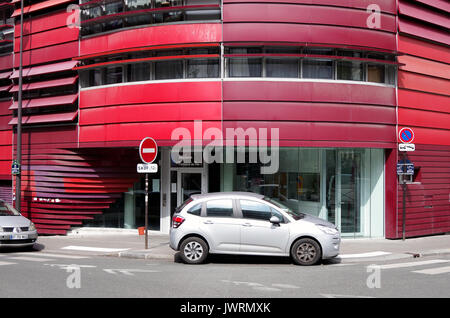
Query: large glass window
[
  {"x": 375, "y": 73},
  {"x": 320, "y": 69},
  {"x": 286, "y": 67},
  {"x": 113, "y": 75},
  {"x": 350, "y": 71},
  {"x": 203, "y": 68},
  {"x": 169, "y": 70},
  {"x": 138, "y": 72}
]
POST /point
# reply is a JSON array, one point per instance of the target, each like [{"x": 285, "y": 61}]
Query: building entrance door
[{"x": 344, "y": 182}]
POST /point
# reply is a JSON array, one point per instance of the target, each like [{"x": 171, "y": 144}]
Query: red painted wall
[{"x": 424, "y": 105}]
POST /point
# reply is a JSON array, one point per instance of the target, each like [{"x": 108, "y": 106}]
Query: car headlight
[
  {"x": 327, "y": 230},
  {"x": 32, "y": 227}
]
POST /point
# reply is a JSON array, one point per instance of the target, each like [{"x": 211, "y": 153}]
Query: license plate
[{"x": 18, "y": 237}]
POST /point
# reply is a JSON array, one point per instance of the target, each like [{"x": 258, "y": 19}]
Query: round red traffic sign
[
  {"x": 148, "y": 150},
  {"x": 406, "y": 135}
]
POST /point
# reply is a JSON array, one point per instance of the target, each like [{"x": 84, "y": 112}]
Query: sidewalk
[{"x": 128, "y": 244}]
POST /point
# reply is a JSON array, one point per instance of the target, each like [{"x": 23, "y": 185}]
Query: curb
[{"x": 140, "y": 255}]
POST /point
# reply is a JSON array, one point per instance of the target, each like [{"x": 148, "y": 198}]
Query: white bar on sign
[
  {"x": 406, "y": 147},
  {"x": 148, "y": 150}
]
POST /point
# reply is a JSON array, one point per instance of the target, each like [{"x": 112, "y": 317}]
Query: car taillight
[{"x": 177, "y": 221}]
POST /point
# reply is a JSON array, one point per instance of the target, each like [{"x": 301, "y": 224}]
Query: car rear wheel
[
  {"x": 306, "y": 252},
  {"x": 194, "y": 250}
]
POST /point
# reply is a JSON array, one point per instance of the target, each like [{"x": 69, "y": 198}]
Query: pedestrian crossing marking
[
  {"x": 434, "y": 271},
  {"x": 411, "y": 264},
  {"x": 6, "y": 263},
  {"x": 93, "y": 249},
  {"x": 31, "y": 259},
  {"x": 54, "y": 255}
]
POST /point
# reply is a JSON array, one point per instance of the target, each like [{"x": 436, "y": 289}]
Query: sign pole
[
  {"x": 146, "y": 211},
  {"x": 404, "y": 203}
]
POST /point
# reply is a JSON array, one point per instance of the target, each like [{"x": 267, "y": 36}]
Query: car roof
[{"x": 228, "y": 195}]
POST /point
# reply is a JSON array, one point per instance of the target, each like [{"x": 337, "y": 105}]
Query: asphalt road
[{"x": 43, "y": 274}]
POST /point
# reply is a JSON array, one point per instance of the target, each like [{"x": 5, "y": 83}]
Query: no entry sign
[
  {"x": 406, "y": 135},
  {"x": 148, "y": 150}
]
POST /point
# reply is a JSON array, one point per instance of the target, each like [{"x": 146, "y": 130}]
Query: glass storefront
[{"x": 343, "y": 186}]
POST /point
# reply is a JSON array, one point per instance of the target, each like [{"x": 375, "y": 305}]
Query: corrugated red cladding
[{"x": 424, "y": 105}]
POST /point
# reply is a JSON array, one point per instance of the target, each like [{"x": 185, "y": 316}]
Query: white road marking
[
  {"x": 93, "y": 249},
  {"x": 54, "y": 255},
  {"x": 344, "y": 296},
  {"x": 434, "y": 271},
  {"x": 128, "y": 272},
  {"x": 6, "y": 263},
  {"x": 70, "y": 266},
  {"x": 369, "y": 254},
  {"x": 411, "y": 264},
  {"x": 31, "y": 259}
]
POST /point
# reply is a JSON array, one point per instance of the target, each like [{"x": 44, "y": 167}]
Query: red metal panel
[
  {"x": 308, "y": 92},
  {"x": 46, "y": 84},
  {"x": 427, "y": 50},
  {"x": 5, "y": 137},
  {"x": 46, "y": 22},
  {"x": 6, "y": 62},
  {"x": 423, "y": 83},
  {"x": 5, "y": 153},
  {"x": 322, "y": 131},
  {"x": 385, "y": 5},
  {"x": 423, "y": 31},
  {"x": 40, "y": 6},
  {"x": 430, "y": 136},
  {"x": 137, "y": 131},
  {"x": 4, "y": 120},
  {"x": 155, "y": 35},
  {"x": 48, "y": 118},
  {"x": 314, "y": 112},
  {"x": 281, "y": 32},
  {"x": 151, "y": 112},
  {"x": 49, "y": 53},
  {"x": 47, "y": 101},
  {"x": 421, "y": 118},
  {"x": 424, "y": 14},
  {"x": 418, "y": 65},
  {"x": 151, "y": 93},
  {"x": 47, "y": 38},
  {"x": 307, "y": 14},
  {"x": 443, "y": 5},
  {"x": 423, "y": 100},
  {"x": 45, "y": 69}
]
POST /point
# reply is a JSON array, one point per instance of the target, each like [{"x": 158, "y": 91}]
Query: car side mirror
[{"x": 275, "y": 220}]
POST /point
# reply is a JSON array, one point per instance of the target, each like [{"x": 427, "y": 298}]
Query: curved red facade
[{"x": 80, "y": 154}]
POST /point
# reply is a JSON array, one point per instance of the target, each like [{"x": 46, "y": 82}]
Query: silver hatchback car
[
  {"x": 15, "y": 229},
  {"x": 250, "y": 224}
]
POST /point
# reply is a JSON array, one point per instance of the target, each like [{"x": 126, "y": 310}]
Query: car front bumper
[{"x": 27, "y": 238}]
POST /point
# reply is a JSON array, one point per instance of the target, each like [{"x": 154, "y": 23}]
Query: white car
[
  {"x": 15, "y": 229},
  {"x": 251, "y": 224}
]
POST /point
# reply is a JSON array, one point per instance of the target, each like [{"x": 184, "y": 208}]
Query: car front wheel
[
  {"x": 306, "y": 252},
  {"x": 194, "y": 250}
]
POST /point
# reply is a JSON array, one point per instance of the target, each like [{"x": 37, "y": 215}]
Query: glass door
[
  {"x": 189, "y": 183},
  {"x": 349, "y": 192},
  {"x": 343, "y": 197}
]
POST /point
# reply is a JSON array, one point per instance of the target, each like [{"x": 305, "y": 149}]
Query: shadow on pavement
[
  {"x": 248, "y": 259},
  {"x": 5, "y": 249}
]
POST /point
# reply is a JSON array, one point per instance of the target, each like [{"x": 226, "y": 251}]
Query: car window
[
  {"x": 219, "y": 208},
  {"x": 7, "y": 210},
  {"x": 196, "y": 209},
  {"x": 257, "y": 210}
]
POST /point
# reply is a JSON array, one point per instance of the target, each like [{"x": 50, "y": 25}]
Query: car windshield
[
  {"x": 7, "y": 210},
  {"x": 295, "y": 215}
]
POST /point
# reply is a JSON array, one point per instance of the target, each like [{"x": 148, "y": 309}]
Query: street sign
[
  {"x": 147, "y": 168},
  {"x": 15, "y": 168},
  {"x": 405, "y": 167},
  {"x": 406, "y": 135},
  {"x": 406, "y": 147},
  {"x": 148, "y": 150}
]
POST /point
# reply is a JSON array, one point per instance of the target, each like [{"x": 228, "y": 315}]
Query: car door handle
[
  {"x": 247, "y": 224},
  {"x": 208, "y": 222}
]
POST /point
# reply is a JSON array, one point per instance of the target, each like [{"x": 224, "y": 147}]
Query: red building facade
[{"x": 337, "y": 79}]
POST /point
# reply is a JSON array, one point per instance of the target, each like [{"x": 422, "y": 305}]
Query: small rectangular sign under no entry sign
[{"x": 147, "y": 168}]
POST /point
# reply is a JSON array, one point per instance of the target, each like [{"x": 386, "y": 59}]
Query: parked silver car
[
  {"x": 15, "y": 229},
  {"x": 251, "y": 224}
]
